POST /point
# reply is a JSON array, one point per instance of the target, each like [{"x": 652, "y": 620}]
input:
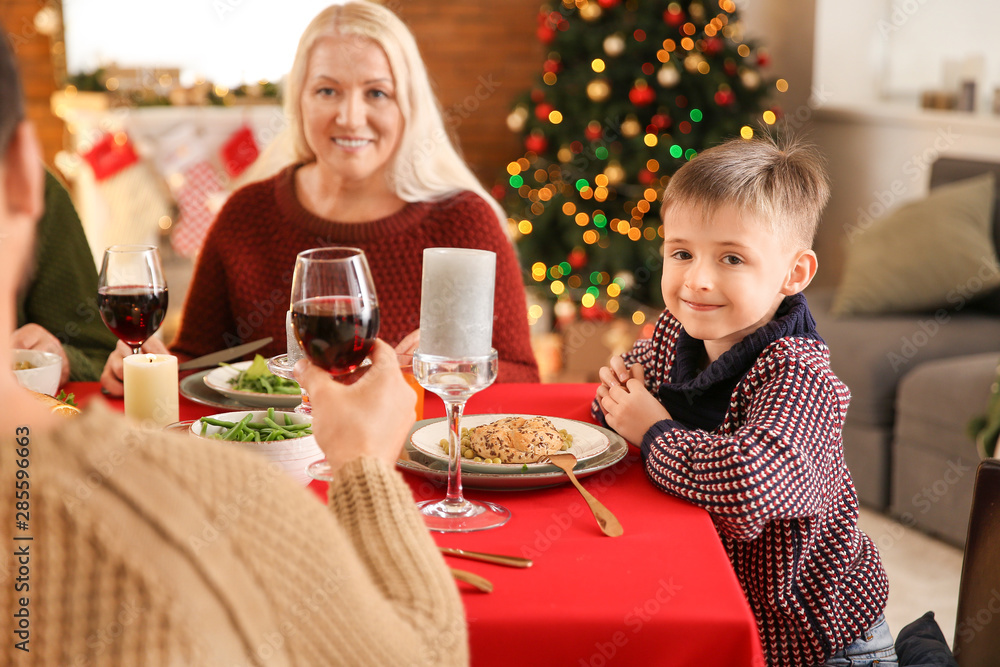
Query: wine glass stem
[
  {"x": 137, "y": 349},
  {"x": 454, "y": 415}
]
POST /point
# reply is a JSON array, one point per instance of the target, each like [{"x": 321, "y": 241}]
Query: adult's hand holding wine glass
[
  {"x": 367, "y": 418},
  {"x": 37, "y": 337},
  {"x": 111, "y": 376}
]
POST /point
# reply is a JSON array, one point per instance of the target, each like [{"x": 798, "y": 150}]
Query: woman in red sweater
[{"x": 373, "y": 169}]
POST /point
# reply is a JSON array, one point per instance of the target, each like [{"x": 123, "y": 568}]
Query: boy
[{"x": 737, "y": 410}]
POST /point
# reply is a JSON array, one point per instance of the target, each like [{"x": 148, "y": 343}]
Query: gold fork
[
  {"x": 474, "y": 580},
  {"x": 605, "y": 519}
]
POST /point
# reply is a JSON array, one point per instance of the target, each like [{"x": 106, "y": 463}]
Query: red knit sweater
[{"x": 243, "y": 279}]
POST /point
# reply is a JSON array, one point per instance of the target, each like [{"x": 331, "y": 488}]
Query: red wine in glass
[
  {"x": 337, "y": 333},
  {"x": 132, "y": 293},
  {"x": 132, "y": 312}
]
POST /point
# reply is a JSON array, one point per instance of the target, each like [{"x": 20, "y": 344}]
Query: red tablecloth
[{"x": 662, "y": 594}]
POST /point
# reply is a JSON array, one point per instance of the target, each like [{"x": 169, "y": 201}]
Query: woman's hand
[
  {"x": 407, "y": 346},
  {"x": 37, "y": 337},
  {"x": 111, "y": 377},
  {"x": 369, "y": 417}
]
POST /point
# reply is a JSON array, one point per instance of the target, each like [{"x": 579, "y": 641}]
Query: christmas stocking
[{"x": 194, "y": 198}]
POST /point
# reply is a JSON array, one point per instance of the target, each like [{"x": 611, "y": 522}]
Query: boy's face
[{"x": 725, "y": 277}]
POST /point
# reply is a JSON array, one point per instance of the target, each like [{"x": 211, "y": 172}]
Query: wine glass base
[
  {"x": 464, "y": 516},
  {"x": 320, "y": 470}
]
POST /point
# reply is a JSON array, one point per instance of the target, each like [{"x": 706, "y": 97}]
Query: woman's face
[{"x": 350, "y": 115}]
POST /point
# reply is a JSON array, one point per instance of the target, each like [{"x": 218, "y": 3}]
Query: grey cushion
[{"x": 872, "y": 354}]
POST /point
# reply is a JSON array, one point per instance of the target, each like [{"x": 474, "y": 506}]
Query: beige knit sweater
[{"x": 152, "y": 549}]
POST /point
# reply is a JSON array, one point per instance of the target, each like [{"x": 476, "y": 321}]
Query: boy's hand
[
  {"x": 629, "y": 408},
  {"x": 615, "y": 375}
]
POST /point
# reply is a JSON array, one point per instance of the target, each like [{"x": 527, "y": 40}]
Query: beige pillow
[{"x": 937, "y": 252}]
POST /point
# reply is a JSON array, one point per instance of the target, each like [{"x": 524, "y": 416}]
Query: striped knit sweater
[{"x": 771, "y": 472}]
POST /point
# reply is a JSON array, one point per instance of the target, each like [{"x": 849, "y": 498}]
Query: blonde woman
[{"x": 374, "y": 169}]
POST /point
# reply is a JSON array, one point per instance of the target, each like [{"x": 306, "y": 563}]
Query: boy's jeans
[{"x": 874, "y": 648}]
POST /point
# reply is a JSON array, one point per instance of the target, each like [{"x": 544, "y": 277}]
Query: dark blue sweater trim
[{"x": 700, "y": 399}]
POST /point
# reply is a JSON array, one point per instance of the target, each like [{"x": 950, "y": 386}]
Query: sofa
[{"x": 919, "y": 375}]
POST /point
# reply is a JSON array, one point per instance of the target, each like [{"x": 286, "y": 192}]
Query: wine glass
[
  {"x": 283, "y": 365},
  {"x": 455, "y": 380},
  {"x": 132, "y": 293},
  {"x": 335, "y": 315}
]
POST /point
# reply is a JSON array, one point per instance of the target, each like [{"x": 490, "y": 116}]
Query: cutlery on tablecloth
[
  {"x": 215, "y": 358},
  {"x": 496, "y": 559},
  {"x": 473, "y": 580},
  {"x": 605, "y": 519}
]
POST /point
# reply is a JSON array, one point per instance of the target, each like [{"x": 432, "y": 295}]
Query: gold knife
[
  {"x": 215, "y": 358},
  {"x": 510, "y": 561}
]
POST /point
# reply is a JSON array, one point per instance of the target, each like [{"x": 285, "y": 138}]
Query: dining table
[{"x": 662, "y": 593}]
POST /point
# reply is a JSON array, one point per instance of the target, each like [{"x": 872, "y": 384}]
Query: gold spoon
[{"x": 605, "y": 519}]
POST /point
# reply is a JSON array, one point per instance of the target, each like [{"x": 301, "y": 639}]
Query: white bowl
[
  {"x": 293, "y": 455},
  {"x": 44, "y": 377}
]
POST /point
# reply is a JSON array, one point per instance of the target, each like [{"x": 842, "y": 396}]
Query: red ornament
[
  {"x": 553, "y": 66},
  {"x": 730, "y": 68},
  {"x": 673, "y": 17},
  {"x": 543, "y": 110},
  {"x": 608, "y": 4},
  {"x": 778, "y": 113},
  {"x": 763, "y": 59},
  {"x": 498, "y": 191},
  {"x": 545, "y": 34},
  {"x": 712, "y": 46},
  {"x": 596, "y": 313},
  {"x": 646, "y": 176},
  {"x": 661, "y": 121},
  {"x": 724, "y": 98},
  {"x": 577, "y": 258},
  {"x": 641, "y": 96},
  {"x": 536, "y": 143},
  {"x": 537, "y": 95},
  {"x": 593, "y": 132}
]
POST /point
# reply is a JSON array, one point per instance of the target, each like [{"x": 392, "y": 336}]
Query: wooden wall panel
[{"x": 34, "y": 54}]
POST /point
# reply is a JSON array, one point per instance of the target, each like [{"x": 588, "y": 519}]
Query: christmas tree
[{"x": 629, "y": 92}]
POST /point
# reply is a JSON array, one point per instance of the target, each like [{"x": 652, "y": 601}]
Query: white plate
[
  {"x": 588, "y": 442},
  {"x": 218, "y": 380}
]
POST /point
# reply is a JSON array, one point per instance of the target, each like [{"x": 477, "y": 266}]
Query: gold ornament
[
  {"x": 564, "y": 154},
  {"x": 590, "y": 11},
  {"x": 750, "y": 78},
  {"x": 598, "y": 90},
  {"x": 614, "y": 45},
  {"x": 614, "y": 173},
  {"x": 697, "y": 11},
  {"x": 692, "y": 62},
  {"x": 516, "y": 118},
  {"x": 630, "y": 127},
  {"x": 668, "y": 76}
]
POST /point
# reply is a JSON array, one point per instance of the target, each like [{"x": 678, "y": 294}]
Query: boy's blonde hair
[{"x": 784, "y": 185}]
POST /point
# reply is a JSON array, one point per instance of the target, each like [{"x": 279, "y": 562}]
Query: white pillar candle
[
  {"x": 456, "y": 302},
  {"x": 151, "y": 388}
]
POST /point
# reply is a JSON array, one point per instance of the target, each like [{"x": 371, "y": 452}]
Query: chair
[{"x": 977, "y": 628}]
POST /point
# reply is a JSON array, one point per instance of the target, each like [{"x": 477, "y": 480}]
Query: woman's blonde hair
[
  {"x": 780, "y": 183},
  {"x": 426, "y": 166}
]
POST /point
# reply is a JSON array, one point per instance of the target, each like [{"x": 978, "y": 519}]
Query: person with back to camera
[
  {"x": 736, "y": 408},
  {"x": 374, "y": 169},
  {"x": 149, "y": 548}
]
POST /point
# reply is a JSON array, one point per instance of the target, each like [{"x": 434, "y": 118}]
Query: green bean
[{"x": 218, "y": 422}]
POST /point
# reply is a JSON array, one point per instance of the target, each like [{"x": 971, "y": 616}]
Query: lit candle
[
  {"x": 456, "y": 303},
  {"x": 151, "y": 388}
]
